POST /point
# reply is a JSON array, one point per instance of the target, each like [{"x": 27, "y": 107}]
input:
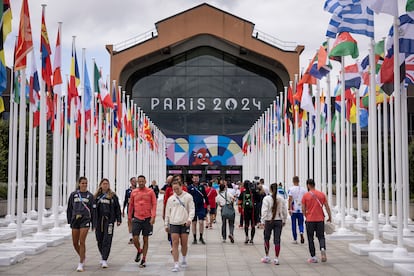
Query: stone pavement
[{"x": 214, "y": 258}]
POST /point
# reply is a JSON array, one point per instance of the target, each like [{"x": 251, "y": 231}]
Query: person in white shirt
[
  {"x": 179, "y": 214},
  {"x": 273, "y": 217},
  {"x": 226, "y": 198},
  {"x": 295, "y": 194}
]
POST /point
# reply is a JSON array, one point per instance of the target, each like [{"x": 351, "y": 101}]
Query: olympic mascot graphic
[{"x": 202, "y": 157}]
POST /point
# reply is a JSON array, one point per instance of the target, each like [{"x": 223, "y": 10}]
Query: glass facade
[{"x": 204, "y": 91}]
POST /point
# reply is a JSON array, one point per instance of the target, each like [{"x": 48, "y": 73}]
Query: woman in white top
[
  {"x": 179, "y": 213},
  {"x": 226, "y": 198},
  {"x": 274, "y": 214}
]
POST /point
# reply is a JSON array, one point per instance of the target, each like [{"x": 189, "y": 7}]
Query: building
[{"x": 204, "y": 76}]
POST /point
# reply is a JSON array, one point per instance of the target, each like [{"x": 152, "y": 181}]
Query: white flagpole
[
  {"x": 12, "y": 153},
  {"x": 404, "y": 149},
  {"x": 380, "y": 167},
  {"x": 82, "y": 130},
  {"x": 329, "y": 134},
  {"x": 359, "y": 160},
  {"x": 317, "y": 151},
  {"x": 342, "y": 153},
  {"x": 387, "y": 226},
  {"x": 393, "y": 217},
  {"x": 30, "y": 162}
]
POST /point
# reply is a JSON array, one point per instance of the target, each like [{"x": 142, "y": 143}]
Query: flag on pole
[
  {"x": 344, "y": 45},
  {"x": 34, "y": 89},
  {"x": 87, "y": 100},
  {"x": 5, "y": 29},
  {"x": 101, "y": 88},
  {"x": 24, "y": 39},
  {"x": 45, "y": 53},
  {"x": 357, "y": 19},
  {"x": 306, "y": 101},
  {"x": 382, "y": 6},
  {"x": 74, "y": 80},
  {"x": 57, "y": 75},
  {"x": 406, "y": 32},
  {"x": 409, "y": 69},
  {"x": 352, "y": 76}
]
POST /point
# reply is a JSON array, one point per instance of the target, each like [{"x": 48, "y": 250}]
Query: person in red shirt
[
  {"x": 211, "y": 194},
  {"x": 142, "y": 210},
  {"x": 312, "y": 208}
]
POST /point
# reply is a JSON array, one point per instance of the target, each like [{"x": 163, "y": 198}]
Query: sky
[{"x": 96, "y": 23}]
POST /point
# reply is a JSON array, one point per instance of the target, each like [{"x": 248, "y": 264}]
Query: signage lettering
[{"x": 201, "y": 104}]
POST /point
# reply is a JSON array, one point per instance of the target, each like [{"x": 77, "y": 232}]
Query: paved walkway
[{"x": 214, "y": 258}]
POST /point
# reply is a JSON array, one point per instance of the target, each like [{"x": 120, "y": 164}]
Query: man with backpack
[{"x": 246, "y": 202}]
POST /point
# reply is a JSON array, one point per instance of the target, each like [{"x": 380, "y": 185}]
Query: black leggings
[
  {"x": 311, "y": 228},
  {"x": 249, "y": 219}
]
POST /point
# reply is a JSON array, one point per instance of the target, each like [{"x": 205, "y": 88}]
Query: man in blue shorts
[{"x": 200, "y": 198}]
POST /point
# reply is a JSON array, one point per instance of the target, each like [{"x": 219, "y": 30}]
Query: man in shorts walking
[{"x": 142, "y": 211}]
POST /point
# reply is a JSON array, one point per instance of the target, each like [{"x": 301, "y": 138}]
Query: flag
[
  {"x": 344, "y": 45},
  {"x": 321, "y": 65},
  {"x": 100, "y": 87},
  {"x": 406, "y": 32},
  {"x": 382, "y": 6},
  {"x": 246, "y": 145},
  {"x": 5, "y": 29},
  {"x": 409, "y": 69},
  {"x": 1, "y": 105},
  {"x": 409, "y": 7},
  {"x": 87, "y": 100},
  {"x": 306, "y": 101},
  {"x": 45, "y": 53},
  {"x": 24, "y": 39},
  {"x": 34, "y": 89},
  {"x": 357, "y": 19},
  {"x": 352, "y": 76},
  {"x": 74, "y": 74},
  {"x": 57, "y": 75}
]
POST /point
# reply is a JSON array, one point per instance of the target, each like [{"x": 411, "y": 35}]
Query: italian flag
[{"x": 100, "y": 87}]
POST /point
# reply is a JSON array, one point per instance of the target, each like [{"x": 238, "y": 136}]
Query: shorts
[
  {"x": 200, "y": 214},
  {"x": 213, "y": 211},
  {"x": 80, "y": 221},
  {"x": 144, "y": 226},
  {"x": 179, "y": 229}
]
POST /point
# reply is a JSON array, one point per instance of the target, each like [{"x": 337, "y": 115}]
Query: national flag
[
  {"x": 409, "y": 69},
  {"x": 344, "y": 45},
  {"x": 45, "y": 53},
  {"x": 246, "y": 145},
  {"x": 34, "y": 89},
  {"x": 382, "y": 6},
  {"x": 74, "y": 80},
  {"x": 100, "y": 87},
  {"x": 406, "y": 32},
  {"x": 321, "y": 65},
  {"x": 357, "y": 19},
  {"x": 24, "y": 39},
  {"x": 5, "y": 29},
  {"x": 87, "y": 99},
  {"x": 306, "y": 100},
  {"x": 1, "y": 105},
  {"x": 352, "y": 76},
  {"x": 57, "y": 75}
]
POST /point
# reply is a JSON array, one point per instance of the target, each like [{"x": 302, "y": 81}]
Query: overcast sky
[{"x": 96, "y": 23}]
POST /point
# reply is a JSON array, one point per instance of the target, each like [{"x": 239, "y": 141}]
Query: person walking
[
  {"x": 224, "y": 198},
  {"x": 273, "y": 218},
  {"x": 200, "y": 198},
  {"x": 79, "y": 215},
  {"x": 132, "y": 186},
  {"x": 246, "y": 202},
  {"x": 295, "y": 194},
  {"x": 143, "y": 207},
  {"x": 211, "y": 194},
  {"x": 155, "y": 187},
  {"x": 106, "y": 212},
  {"x": 179, "y": 214},
  {"x": 312, "y": 208}
]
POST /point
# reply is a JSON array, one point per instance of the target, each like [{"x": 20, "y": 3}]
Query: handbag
[
  {"x": 227, "y": 211},
  {"x": 329, "y": 227}
]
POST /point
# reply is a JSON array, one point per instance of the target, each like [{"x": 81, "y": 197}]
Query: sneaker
[
  {"x": 104, "y": 264},
  {"x": 131, "y": 241},
  {"x": 276, "y": 261},
  {"x": 176, "y": 268},
  {"x": 295, "y": 242},
  {"x": 323, "y": 255},
  {"x": 224, "y": 240},
  {"x": 240, "y": 226},
  {"x": 194, "y": 241},
  {"x": 265, "y": 260},
  {"x": 302, "y": 239},
  {"x": 138, "y": 257},
  {"x": 251, "y": 241},
  {"x": 183, "y": 264},
  {"x": 142, "y": 264},
  {"x": 246, "y": 241},
  {"x": 202, "y": 241},
  {"x": 231, "y": 238},
  {"x": 80, "y": 267},
  {"x": 313, "y": 260}
]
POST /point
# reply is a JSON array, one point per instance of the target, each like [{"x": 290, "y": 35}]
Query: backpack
[{"x": 247, "y": 201}]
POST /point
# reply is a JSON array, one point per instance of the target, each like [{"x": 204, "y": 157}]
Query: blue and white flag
[{"x": 406, "y": 34}]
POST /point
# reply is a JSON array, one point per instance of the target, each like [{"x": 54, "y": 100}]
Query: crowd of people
[{"x": 196, "y": 205}]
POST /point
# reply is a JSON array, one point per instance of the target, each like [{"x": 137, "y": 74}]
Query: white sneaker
[
  {"x": 104, "y": 264},
  {"x": 265, "y": 260},
  {"x": 176, "y": 268},
  {"x": 276, "y": 261},
  {"x": 184, "y": 264},
  {"x": 80, "y": 267}
]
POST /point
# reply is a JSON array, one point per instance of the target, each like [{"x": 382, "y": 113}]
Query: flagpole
[
  {"x": 387, "y": 226},
  {"x": 359, "y": 160},
  {"x": 328, "y": 126},
  {"x": 393, "y": 217},
  {"x": 11, "y": 154},
  {"x": 30, "y": 163},
  {"x": 82, "y": 131},
  {"x": 317, "y": 145},
  {"x": 342, "y": 153}
]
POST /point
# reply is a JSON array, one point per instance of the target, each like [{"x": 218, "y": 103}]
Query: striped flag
[
  {"x": 74, "y": 80},
  {"x": 352, "y": 76},
  {"x": 45, "y": 53},
  {"x": 57, "y": 75},
  {"x": 382, "y": 6},
  {"x": 406, "y": 32},
  {"x": 409, "y": 69},
  {"x": 100, "y": 87}
]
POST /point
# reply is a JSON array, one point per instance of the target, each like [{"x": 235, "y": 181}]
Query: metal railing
[
  {"x": 284, "y": 45},
  {"x": 135, "y": 40}
]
